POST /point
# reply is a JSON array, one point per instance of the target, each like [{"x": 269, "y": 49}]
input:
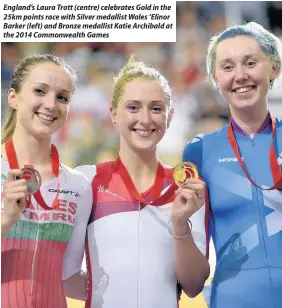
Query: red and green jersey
[{"x": 33, "y": 252}]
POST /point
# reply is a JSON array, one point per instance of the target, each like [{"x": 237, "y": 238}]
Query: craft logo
[{"x": 62, "y": 191}]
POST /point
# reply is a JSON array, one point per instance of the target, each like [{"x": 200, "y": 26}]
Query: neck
[
  {"x": 29, "y": 150},
  {"x": 250, "y": 120},
  {"x": 139, "y": 164}
]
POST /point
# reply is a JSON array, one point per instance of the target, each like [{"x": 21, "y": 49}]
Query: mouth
[
  {"x": 245, "y": 89},
  {"x": 144, "y": 132},
  {"x": 45, "y": 117}
]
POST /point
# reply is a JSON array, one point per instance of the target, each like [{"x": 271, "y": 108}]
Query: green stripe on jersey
[{"x": 44, "y": 231}]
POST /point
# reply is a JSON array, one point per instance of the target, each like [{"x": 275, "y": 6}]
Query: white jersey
[
  {"x": 129, "y": 248},
  {"x": 34, "y": 249}
]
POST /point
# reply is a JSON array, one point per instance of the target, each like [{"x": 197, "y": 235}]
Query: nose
[
  {"x": 240, "y": 73},
  {"x": 50, "y": 102},
  {"x": 145, "y": 117}
]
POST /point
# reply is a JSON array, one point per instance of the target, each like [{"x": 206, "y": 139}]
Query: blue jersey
[{"x": 245, "y": 222}]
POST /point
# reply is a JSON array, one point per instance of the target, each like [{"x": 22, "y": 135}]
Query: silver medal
[{"x": 33, "y": 179}]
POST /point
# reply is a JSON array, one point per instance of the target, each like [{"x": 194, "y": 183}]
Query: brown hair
[{"x": 20, "y": 73}]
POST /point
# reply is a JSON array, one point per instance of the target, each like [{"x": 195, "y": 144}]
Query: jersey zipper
[
  {"x": 34, "y": 260},
  {"x": 259, "y": 209}
]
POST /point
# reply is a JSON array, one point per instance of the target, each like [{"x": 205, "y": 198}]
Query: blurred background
[{"x": 89, "y": 136}]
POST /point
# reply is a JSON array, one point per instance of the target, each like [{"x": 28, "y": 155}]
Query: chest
[{"x": 229, "y": 188}]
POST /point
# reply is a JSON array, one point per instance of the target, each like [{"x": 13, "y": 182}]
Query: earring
[{"x": 270, "y": 84}]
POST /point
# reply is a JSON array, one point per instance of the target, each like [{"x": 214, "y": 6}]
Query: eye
[
  {"x": 251, "y": 63},
  {"x": 157, "y": 109},
  {"x": 133, "y": 108},
  {"x": 38, "y": 92},
  {"x": 63, "y": 99},
  {"x": 227, "y": 68}
]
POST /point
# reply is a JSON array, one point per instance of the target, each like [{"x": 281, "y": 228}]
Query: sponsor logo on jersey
[
  {"x": 64, "y": 211},
  {"x": 66, "y": 192},
  {"x": 228, "y": 159},
  {"x": 101, "y": 189}
]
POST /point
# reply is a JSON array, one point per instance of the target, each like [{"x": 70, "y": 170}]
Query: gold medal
[{"x": 184, "y": 171}]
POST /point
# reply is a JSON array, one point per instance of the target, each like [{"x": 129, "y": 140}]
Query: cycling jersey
[
  {"x": 129, "y": 248},
  {"x": 32, "y": 254},
  {"x": 245, "y": 221}
]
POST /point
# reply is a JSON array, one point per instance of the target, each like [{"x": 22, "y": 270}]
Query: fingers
[
  {"x": 191, "y": 196},
  {"x": 194, "y": 184},
  {"x": 15, "y": 186},
  {"x": 15, "y": 190},
  {"x": 17, "y": 183},
  {"x": 14, "y": 197},
  {"x": 13, "y": 174},
  {"x": 188, "y": 194},
  {"x": 197, "y": 185}
]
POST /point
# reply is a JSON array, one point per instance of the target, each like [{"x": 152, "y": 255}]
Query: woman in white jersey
[
  {"x": 37, "y": 227},
  {"x": 139, "y": 244}
]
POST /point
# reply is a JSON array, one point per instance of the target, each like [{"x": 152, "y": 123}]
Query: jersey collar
[{"x": 266, "y": 125}]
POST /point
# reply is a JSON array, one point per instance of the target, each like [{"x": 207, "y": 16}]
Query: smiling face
[
  {"x": 243, "y": 72},
  {"x": 142, "y": 114},
  {"x": 42, "y": 103}
]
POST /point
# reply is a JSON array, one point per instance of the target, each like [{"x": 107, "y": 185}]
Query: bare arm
[{"x": 191, "y": 265}]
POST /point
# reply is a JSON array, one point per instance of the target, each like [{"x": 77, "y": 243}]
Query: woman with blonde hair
[{"x": 139, "y": 241}]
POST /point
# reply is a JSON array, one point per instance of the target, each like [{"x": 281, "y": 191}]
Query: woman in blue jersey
[
  {"x": 139, "y": 243},
  {"x": 36, "y": 227},
  {"x": 241, "y": 164}
]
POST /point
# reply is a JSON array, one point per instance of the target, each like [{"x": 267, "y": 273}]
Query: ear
[
  {"x": 216, "y": 82},
  {"x": 170, "y": 116},
  {"x": 113, "y": 114},
  {"x": 12, "y": 98},
  {"x": 274, "y": 71}
]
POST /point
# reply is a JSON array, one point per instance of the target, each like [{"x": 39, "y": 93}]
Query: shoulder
[
  {"x": 74, "y": 178},
  {"x": 196, "y": 143},
  {"x": 279, "y": 123},
  {"x": 73, "y": 172},
  {"x": 88, "y": 171},
  {"x": 202, "y": 145}
]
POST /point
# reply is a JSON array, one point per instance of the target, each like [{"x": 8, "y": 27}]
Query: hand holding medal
[
  {"x": 32, "y": 176},
  {"x": 189, "y": 198},
  {"x": 15, "y": 194}
]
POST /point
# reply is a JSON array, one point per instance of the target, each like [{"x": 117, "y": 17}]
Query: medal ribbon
[
  {"x": 275, "y": 170},
  {"x": 158, "y": 199},
  {"x": 13, "y": 163}
]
